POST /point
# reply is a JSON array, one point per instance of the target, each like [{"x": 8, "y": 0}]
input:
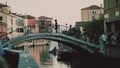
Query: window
[
  {"x": 20, "y": 22},
  {"x": 107, "y": 4},
  {"x": 116, "y": 2},
  {"x": 1, "y": 18},
  {"x": 20, "y": 30},
  {"x": 0, "y": 28},
  {"x": 11, "y": 21},
  {"x": 93, "y": 13},
  {"x": 42, "y": 24},
  {"x": 11, "y": 29}
]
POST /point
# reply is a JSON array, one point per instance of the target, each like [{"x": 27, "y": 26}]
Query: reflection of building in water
[
  {"x": 40, "y": 54},
  {"x": 45, "y": 59},
  {"x": 35, "y": 52}
]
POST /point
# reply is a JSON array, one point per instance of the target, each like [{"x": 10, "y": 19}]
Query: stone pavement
[{"x": 27, "y": 61}]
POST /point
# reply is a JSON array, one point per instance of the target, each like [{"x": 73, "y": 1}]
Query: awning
[{"x": 3, "y": 34}]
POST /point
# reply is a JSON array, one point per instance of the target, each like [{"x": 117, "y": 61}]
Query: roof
[
  {"x": 2, "y": 23},
  {"x": 28, "y": 16},
  {"x": 3, "y": 5},
  {"x": 15, "y": 14},
  {"x": 3, "y": 34},
  {"x": 92, "y": 7},
  {"x": 44, "y": 17}
]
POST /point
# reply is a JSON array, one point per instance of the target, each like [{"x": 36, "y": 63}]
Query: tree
[
  {"x": 74, "y": 32},
  {"x": 93, "y": 28}
]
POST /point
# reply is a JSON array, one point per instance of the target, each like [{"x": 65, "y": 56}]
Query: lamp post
[
  {"x": 105, "y": 28},
  {"x": 105, "y": 20},
  {"x": 66, "y": 26}
]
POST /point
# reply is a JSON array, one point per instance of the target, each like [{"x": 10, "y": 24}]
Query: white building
[{"x": 15, "y": 25}]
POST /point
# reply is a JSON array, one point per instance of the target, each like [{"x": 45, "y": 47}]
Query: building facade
[
  {"x": 3, "y": 24},
  {"x": 16, "y": 25},
  {"x": 80, "y": 26},
  {"x": 31, "y": 25},
  {"x": 112, "y": 15},
  {"x": 45, "y": 24},
  {"x": 4, "y": 11},
  {"x": 91, "y": 12},
  {"x": 5, "y": 8}
]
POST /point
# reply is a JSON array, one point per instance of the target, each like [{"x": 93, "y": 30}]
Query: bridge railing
[{"x": 54, "y": 36}]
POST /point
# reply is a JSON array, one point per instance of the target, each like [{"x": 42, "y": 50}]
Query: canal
[{"x": 45, "y": 59}]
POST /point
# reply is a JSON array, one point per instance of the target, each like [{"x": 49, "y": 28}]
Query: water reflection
[{"x": 45, "y": 59}]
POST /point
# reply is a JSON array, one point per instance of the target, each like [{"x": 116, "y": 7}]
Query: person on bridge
[
  {"x": 56, "y": 25},
  {"x": 103, "y": 41},
  {"x": 118, "y": 39}
]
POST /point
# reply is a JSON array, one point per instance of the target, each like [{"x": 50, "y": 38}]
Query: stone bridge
[{"x": 77, "y": 44}]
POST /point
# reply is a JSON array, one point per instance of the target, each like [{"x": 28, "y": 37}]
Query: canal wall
[
  {"x": 112, "y": 51},
  {"x": 19, "y": 59},
  {"x": 12, "y": 58}
]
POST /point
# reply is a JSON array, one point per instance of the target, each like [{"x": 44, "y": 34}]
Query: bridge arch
[{"x": 74, "y": 43}]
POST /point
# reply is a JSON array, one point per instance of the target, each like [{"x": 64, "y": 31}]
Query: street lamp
[
  {"x": 66, "y": 26},
  {"x": 105, "y": 20}
]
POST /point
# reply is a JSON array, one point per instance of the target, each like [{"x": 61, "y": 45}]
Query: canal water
[
  {"x": 48, "y": 60},
  {"x": 45, "y": 59}
]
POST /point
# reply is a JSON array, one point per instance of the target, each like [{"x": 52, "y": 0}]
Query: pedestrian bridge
[{"x": 77, "y": 44}]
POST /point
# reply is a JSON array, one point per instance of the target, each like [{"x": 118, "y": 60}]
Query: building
[
  {"x": 3, "y": 29},
  {"x": 31, "y": 25},
  {"x": 91, "y": 12},
  {"x": 16, "y": 25},
  {"x": 80, "y": 25},
  {"x": 112, "y": 15},
  {"x": 4, "y": 11},
  {"x": 3, "y": 24},
  {"x": 45, "y": 24},
  {"x": 5, "y": 8},
  {"x": 12, "y": 23}
]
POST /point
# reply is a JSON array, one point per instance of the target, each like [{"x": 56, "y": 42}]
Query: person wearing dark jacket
[{"x": 118, "y": 39}]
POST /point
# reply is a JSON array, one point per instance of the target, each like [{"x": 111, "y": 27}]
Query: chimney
[
  {"x": 5, "y": 3},
  {"x": 25, "y": 16}
]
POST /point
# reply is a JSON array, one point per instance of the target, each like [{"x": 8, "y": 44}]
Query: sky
[{"x": 65, "y": 11}]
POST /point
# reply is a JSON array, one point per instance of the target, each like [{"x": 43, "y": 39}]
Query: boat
[{"x": 53, "y": 47}]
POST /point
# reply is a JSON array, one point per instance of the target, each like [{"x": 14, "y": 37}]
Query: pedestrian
[
  {"x": 1, "y": 48},
  {"x": 118, "y": 38},
  {"x": 113, "y": 39},
  {"x": 56, "y": 24},
  {"x": 109, "y": 38},
  {"x": 103, "y": 38},
  {"x": 9, "y": 46}
]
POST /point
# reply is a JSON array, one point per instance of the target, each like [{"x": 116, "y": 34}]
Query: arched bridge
[{"x": 72, "y": 42}]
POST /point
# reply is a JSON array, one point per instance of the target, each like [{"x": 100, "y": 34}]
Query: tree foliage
[
  {"x": 95, "y": 27},
  {"x": 73, "y": 32}
]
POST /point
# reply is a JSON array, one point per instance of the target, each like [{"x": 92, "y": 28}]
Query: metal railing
[{"x": 54, "y": 36}]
